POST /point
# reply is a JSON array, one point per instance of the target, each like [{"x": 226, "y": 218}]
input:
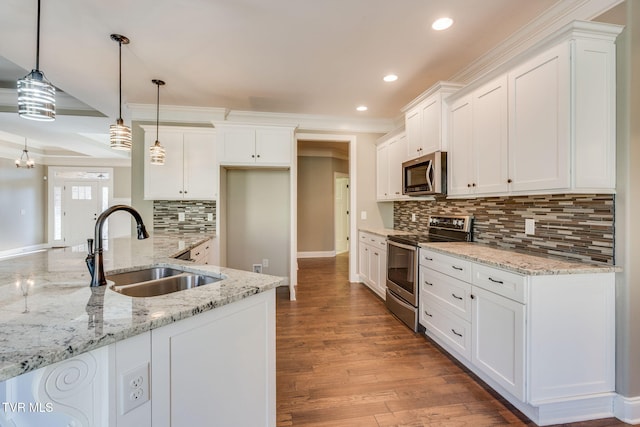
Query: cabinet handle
[
  {"x": 375, "y": 253},
  {"x": 253, "y": 156},
  {"x": 472, "y": 296},
  {"x": 473, "y": 185},
  {"x": 496, "y": 281},
  {"x": 427, "y": 313},
  {"x": 456, "y": 296},
  {"x": 258, "y": 156},
  {"x": 457, "y": 268},
  {"x": 468, "y": 185},
  {"x": 180, "y": 191},
  {"x": 509, "y": 181},
  {"x": 454, "y": 331},
  {"x": 197, "y": 253},
  {"x": 428, "y": 259},
  {"x": 427, "y": 283},
  {"x": 185, "y": 191}
]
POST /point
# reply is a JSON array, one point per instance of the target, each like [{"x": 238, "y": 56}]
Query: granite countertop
[
  {"x": 49, "y": 313},
  {"x": 384, "y": 232},
  {"x": 532, "y": 265}
]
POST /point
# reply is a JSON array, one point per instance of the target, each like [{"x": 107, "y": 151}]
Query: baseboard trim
[
  {"x": 627, "y": 409},
  {"x": 318, "y": 254}
]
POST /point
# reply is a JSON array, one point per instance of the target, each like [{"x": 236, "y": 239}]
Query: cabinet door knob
[
  {"x": 185, "y": 191},
  {"x": 473, "y": 185},
  {"x": 472, "y": 296},
  {"x": 258, "y": 155},
  {"x": 509, "y": 181},
  {"x": 253, "y": 156},
  {"x": 180, "y": 191},
  {"x": 469, "y": 185}
]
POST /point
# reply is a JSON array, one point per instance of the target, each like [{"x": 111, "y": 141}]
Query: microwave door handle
[{"x": 429, "y": 176}]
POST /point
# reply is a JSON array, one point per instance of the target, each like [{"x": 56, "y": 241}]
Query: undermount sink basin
[{"x": 155, "y": 281}]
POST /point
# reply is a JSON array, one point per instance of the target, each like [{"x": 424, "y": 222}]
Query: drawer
[
  {"x": 454, "y": 332},
  {"x": 452, "y": 294},
  {"x": 451, "y": 266},
  {"x": 373, "y": 240},
  {"x": 505, "y": 283}
]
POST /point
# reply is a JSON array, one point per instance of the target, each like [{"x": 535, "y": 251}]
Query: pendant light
[
  {"x": 120, "y": 134},
  {"x": 157, "y": 151},
  {"x": 24, "y": 161},
  {"x": 36, "y": 95}
]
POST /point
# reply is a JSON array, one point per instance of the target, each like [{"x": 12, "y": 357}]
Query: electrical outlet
[
  {"x": 363, "y": 215},
  {"x": 257, "y": 268},
  {"x": 529, "y": 226},
  {"x": 134, "y": 388},
  {"x": 209, "y": 217},
  {"x": 180, "y": 216},
  {"x": 413, "y": 217},
  {"x": 265, "y": 263}
]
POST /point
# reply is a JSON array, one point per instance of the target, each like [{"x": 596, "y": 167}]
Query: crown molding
[
  {"x": 444, "y": 87},
  {"x": 548, "y": 23},
  {"x": 176, "y": 113}
]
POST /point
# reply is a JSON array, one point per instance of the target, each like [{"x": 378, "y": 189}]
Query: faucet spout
[{"x": 97, "y": 275}]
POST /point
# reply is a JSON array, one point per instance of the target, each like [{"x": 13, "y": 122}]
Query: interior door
[
  {"x": 81, "y": 209},
  {"x": 342, "y": 214}
]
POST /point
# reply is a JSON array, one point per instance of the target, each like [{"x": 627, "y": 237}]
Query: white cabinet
[
  {"x": 539, "y": 122},
  {"x": 390, "y": 156},
  {"x": 372, "y": 262},
  {"x": 478, "y": 141},
  {"x": 544, "y": 342},
  {"x": 241, "y": 144},
  {"x": 189, "y": 172},
  {"x": 217, "y": 368},
  {"x": 425, "y": 120},
  {"x": 546, "y": 125}
]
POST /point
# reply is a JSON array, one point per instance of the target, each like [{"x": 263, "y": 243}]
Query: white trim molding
[{"x": 627, "y": 409}]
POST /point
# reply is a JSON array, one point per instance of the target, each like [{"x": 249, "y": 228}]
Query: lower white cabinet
[
  {"x": 544, "y": 342},
  {"x": 213, "y": 369},
  {"x": 217, "y": 368},
  {"x": 372, "y": 262}
]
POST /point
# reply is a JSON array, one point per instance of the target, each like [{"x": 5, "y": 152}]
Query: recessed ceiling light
[
  {"x": 362, "y": 108},
  {"x": 442, "y": 24},
  {"x": 390, "y": 78}
]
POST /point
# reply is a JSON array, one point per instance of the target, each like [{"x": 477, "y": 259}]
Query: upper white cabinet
[
  {"x": 241, "y": 144},
  {"x": 544, "y": 124},
  {"x": 189, "y": 172},
  {"x": 425, "y": 120},
  {"x": 390, "y": 155}
]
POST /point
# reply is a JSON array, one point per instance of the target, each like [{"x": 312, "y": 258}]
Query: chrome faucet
[{"x": 94, "y": 258}]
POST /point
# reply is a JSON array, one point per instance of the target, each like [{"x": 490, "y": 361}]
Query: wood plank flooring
[{"x": 344, "y": 361}]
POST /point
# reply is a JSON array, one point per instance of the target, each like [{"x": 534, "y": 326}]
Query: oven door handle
[{"x": 401, "y": 245}]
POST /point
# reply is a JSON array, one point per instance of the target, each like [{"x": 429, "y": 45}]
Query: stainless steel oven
[{"x": 402, "y": 263}]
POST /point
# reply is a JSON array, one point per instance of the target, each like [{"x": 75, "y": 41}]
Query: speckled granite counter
[
  {"x": 49, "y": 313},
  {"x": 384, "y": 232},
  {"x": 514, "y": 261}
]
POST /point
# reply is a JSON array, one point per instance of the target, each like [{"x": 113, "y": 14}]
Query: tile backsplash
[
  {"x": 166, "y": 216},
  {"x": 575, "y": 226}
]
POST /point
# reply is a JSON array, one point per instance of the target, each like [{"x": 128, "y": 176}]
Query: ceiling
[{"x": 282, "y": 56}]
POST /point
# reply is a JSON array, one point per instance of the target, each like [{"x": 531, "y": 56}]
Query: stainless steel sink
[{"x": 156, "y": 281}]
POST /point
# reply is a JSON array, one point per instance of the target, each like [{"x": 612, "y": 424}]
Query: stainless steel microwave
[{"x": 425, "y": 175}]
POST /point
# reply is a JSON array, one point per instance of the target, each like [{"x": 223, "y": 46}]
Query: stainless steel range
[{"x": 402, "y": 263}]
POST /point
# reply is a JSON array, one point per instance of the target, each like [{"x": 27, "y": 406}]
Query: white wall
[{"x": 257, "y": 219}]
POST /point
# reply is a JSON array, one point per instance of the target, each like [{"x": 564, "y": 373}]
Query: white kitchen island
[{"x": 71, "y": 355}]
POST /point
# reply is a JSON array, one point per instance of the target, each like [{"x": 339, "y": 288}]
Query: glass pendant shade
[
  {"x": 120, "y": 136},
  {"x": 36, "y": 95},
  {"x": 157, "y": 153}
]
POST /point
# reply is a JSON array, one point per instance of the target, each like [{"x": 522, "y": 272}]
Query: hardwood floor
[{"x": 344, "y": 361}]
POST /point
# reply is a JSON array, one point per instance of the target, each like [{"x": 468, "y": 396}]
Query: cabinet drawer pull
[
  {"x": 456, "y": 296},
  {"x": 454, "y": 331},
  {"x": 427, "y": 283},
  {"x": 375, "y": 253},
  {"x": 455, "y": 267},
  {"x": 427, "y": 313},
  {"x": 428, "y": 259},
  {"x": 496, "y": 281}
]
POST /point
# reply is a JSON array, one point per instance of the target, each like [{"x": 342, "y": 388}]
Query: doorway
[
  {"x": 76, "y": 198},
  {"x": 323, "y": 198}
]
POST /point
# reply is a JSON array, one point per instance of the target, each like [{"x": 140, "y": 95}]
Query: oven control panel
[{"x": 456, "y": 222}]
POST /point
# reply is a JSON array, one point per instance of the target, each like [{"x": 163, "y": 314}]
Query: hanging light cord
[
  {"x": 120, "y": 79},
  {"x": 38, "y": 40},
  {"x": 157, "y": 111}
]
